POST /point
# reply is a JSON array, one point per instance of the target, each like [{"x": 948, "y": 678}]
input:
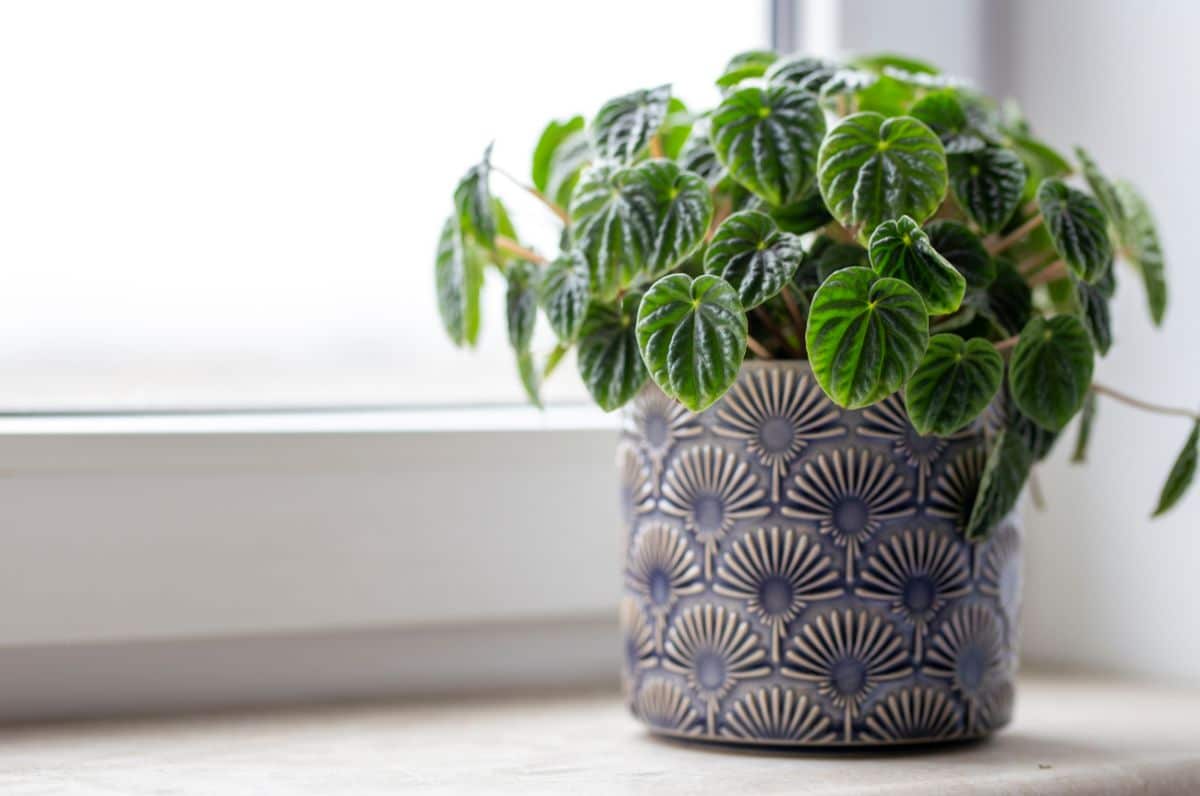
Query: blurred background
[{"x": 235, "y": 442}]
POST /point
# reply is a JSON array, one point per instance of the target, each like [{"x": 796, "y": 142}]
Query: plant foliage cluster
[{"x": 886, "y": 222}]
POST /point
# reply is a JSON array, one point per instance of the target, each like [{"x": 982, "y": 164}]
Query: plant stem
[
  {"x": 656, "y": 150},
  {"x": 1015, "y": 236},
  {"x": 758, "y": 348},
  {"x": 1035, "y": 263},
  {"x": 1007, "y": 343},
  {"x": 1056, "y": 270},
  {"x": 512, "y": 247},
  {"x": 1175, "y": 411},
  {"x": 793, "y": 309},
  {"x": 534, "y": 192}
]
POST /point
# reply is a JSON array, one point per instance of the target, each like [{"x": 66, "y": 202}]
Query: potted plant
[{"x": 846, "y": 311}]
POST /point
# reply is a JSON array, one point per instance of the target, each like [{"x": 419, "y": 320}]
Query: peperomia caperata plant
[{"x": 888, "y": 223}]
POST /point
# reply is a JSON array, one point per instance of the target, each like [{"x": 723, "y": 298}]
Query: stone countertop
[{"x": 1070, "y": 735}]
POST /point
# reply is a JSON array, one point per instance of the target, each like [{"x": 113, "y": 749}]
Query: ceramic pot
[{"x": 796, "y": 573}]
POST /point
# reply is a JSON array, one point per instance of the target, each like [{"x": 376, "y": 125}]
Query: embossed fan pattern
[{"x": 795, "y": 573}]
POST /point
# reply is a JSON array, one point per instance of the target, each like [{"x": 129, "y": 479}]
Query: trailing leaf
[
  {"x": 750, "y": 253},
  {"x": 1087, "y": 417},
  {"x": 458, "y": 277},
  {"x": 1104, "y": 191},
  {"x": 521, "y": 315},
  {"x": 1004, "y": 476},
  {"x": 1183, "y": 472},
  {"x": 563, "y": 294},
  {"x": 473, "y": 203},
  {"x": 1051, "y": 370},
  {"x": 609, "y": 360},
  {"x": 1144, "y": 249},
  {"x": 988, "y": 184},
  {"x": 871, "y": 169},
  {"x": 768, "y": 140},
  {"x": 692, "y": 335},
  {"x": 865, "y": 336},
  {"x": 954, "y": 382},
  {"x": 964, "y": 250},
  {"x": 624, "y": 126},
  {"x": 1094, "y": 312},
  {"x": 745, "y": 65},
  {"x": 1077, "y": 226},
  {"x": 942, "y": 112},
  {"x": 901, "y": 249}
]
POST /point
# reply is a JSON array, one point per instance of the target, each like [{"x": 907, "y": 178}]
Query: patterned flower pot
[{"x": 796, "y": 574}]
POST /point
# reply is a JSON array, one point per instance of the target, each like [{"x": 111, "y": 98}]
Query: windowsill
[{"x": 1071, "y": 735}]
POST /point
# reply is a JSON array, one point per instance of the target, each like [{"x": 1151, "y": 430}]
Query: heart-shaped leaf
[
  {"x": 871, "y": 169},
  {"x": 865, "y": 336},
  {"x": 902, "y": 250},
  {"x": 1144, "y": 248},
  {"x": 768, "y": 140},
  {"x": 560, "y": 154},
  {"x": 955, "y": 381},
  {"x": 1004, "y": 476},
  {"x": 1051, "y": 370},
  {"x": 692, "y": 335},
  {"x": 942, "y": 112},
  {"x": 521, "y": 306},
  {"x": 609, "y": 360},
  {"x": 1087, "y": 417},
  {"x": 563, "y": 294},
  {"x": 614, "y": 222},
  {"x": 964, "y": 249},
  {"x": 988, "y": 184},
  {"x": 1094, "y": 312},
  {"x": 1183, "y": 472},
  {"x": 624, "y": 126},
  {"x": 1077, "y": 226},
  {"x": 699, "y": 157},
  {"x": 473, "y": 203},
  {"x": 743, "y": 66},
  {"x": 749, "y": 252},
  {"x": 683, "y": 209},
  {"x": 458, "y": 276},
  {"x": 803, "y": 72}
]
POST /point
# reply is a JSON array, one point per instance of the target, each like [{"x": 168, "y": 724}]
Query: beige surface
[{"x": 1070, "y": 736}]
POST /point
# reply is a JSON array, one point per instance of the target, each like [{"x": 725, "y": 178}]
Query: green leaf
[
  {"x": 865, "y": 336},
  {"x": 1144, "y": 248},
  {"x": 827, "y": 255},
  {"x": 458, "y": 276},
  {"x": 554, "y": 359},
  {"x": 1104, "y": 191},
  {"x": 902, "y": 250},
  {"x": 964, "y": 249},
  {"x": 1094, "y": 312},
  {"x": 1183, "y": 472},
  {"x": 803, "y": 216},
  {"x": 692, "y": 335},
  {"x": 954, "y": 382},
  {"x": 609, "y": 360},
  {"x": 942, "y": 112},
  {"x": 1004, "y": 476},
  {"x": 473, "y": 202},
  {"x": 699, "y": 157},
  {"x": 745, "y": 65},
  {"x": 531, "y": 380},
  {"x": 750, "y": 253},
  {"x": 1051, "y": 370},
  {"x": 871, "y": 169},
  {"x": 676, "y": 129},
  {"x": 563, "y": 294},
  {"x": 768, "y": 140},
  {"x": 614, "y": 223},
  {"x": 1008, "y": 302},
  {"x": 521, "y": 306},
  {"x": 886, "y": 95},
  {"x": 882, "y": 62},
  {"x": 803, "y": 72},
  {"x": 988, "y": 185},
  {"x": 1087, "y": 417},
  {"x": 1077, "y": 226},
  {"x": 683, "y": 206},
  {"x": 552, "y": 141},
  {"x": 1038, "y": 440},
  {"x": 624, "y": 126}
]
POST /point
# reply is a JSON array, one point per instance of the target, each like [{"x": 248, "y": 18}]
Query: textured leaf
[
  {"x": 614, "y": 223},
  {"x": 803, "y": 216},
  {"x": 988, "y": 185},
  {"x": 1144, "y": 249},
  {"x": 1104, "y": 191},
  {"x": 521, "y": 314},
  {"x": 1077, "y": 226},
  {"x": 1041, "y": 161},
  {"x": 954, "y": 382},
  {"x": 768, "y": 140},
  {"x": 624, "y": 126},
  {"x": 750, "y": 253},
  {"x": 827, "y": 255},
  {"x": 563, "y": 293},
  {"x": 942, "y": 112},
  {"x": 458, "y": 276},
  {"x": 803, "y": 72},
  {"x": 551, "y": 146},
  {"x": 1003, "y": 478},
  {"x": 473, "y": 203},
  {"x": 692, "y": 335},
  {"x": 902, "y": 250},
  {"x": 1009, "y": 300},
  {"x": 964, "y": 249},
  {"x": 1094, "y": 312},
  {"x": 699, "y": 157},
  {"x": 743, "y": 66},
  {"x": 1183, "y": 472},
  {"x": 872, "y": 169},
  {"x": 1051, "y": 370},
  {"x": 609, "y": 360},
  {"x": 1040, "y": 441},
  {"x": 865, "y": 336},
  {"x": 683, "y": 209},
  {"x": 1087, "y": 416}
]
